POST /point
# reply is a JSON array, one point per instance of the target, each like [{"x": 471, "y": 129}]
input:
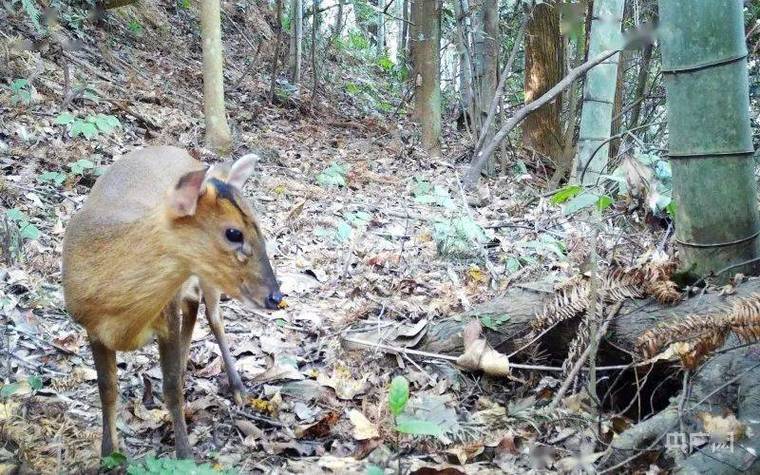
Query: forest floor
[{"x": 384, "y": 246}]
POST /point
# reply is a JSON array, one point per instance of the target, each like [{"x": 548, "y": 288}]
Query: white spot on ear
[{"x": 242, "y": 169}]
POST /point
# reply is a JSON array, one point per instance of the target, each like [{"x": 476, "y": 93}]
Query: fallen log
[{"x": 509, "y": 318}]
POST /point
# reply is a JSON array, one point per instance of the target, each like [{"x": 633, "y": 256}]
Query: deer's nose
[{"x": 274, "y": 299}]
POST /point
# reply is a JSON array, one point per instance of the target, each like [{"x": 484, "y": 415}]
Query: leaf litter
[{"x": 367, "y": 235}]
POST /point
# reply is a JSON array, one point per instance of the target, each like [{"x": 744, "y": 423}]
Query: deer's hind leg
[
  {"x": 108, "y": 387},
  {"x": 171, "y": 351}
]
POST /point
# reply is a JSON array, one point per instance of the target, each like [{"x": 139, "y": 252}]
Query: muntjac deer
[{"x": 155, "y": 227}]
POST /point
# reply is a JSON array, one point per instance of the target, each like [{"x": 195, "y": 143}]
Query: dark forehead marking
[{"x": 227, "y": 192}]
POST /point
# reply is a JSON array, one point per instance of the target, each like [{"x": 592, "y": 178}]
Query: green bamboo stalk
[
  {"x": 705, "y": 67},
  {"x": 599, "y": 91}
]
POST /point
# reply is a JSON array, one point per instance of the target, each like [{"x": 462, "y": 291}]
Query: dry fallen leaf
[
  {"x": 583, "y": 462},
  {"x": 363, "y": 428},
  {"x": 85, "y": 373},
  {"x": 507, "y": 445},
  {"x": 344, "y": 385},
  {"x": 8, "y": 409},
  {"x": 279, "y": 371},
  {"x": 319, "y": 429},
  {"x": 464, "y": 453},
  {"x": 150, "y": 418},
  {"x": 71, "y": 341},
  {"x": 249, "y": 429}
]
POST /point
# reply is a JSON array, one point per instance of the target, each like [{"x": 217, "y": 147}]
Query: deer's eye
[{"x": 233, "y": 235}]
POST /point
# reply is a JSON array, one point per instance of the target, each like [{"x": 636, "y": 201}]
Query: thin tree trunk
[
  {"x": 617, "y": 107},
  {"x": 465, "y": 65},
  {"x": 543, "y": 69},
  {"x": 486, "y": 65},
  {"x": 218, "y": 136},
  {"x": 426, "y": 46},
  {"x": 599, "y": 93},
  {"x": 617, "y": 110},
  {"x": 314, "y": 45},
  {"x": 296, "y": 40},
  {"x": 339, "y": 22},
  {"x": 371, "y": 23},
  {"x": 641, "y": 86},
  {"x": 399, "y": 6},
  {"x": 380, "y": 31},
  {"x": 499, "y": 92},
  {"x": 276, "y": 58},
  {"x": 565, "y": 165},
  {"x": 404, "y": 49}
]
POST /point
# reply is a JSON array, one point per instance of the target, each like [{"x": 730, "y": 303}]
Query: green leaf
[
  {"x": 30, "y": 7},
  {"x": 153, "y": 464},
  {"x": 580, "y": 202},
  {"x": 105, "y": 123},
  {"x": 375, "y": 470},
  {"x": 565, "y": 194},
  {"x": 334, "y": 175},
  {"x": 30, "y": 232},
  {"x": 115, "y": 460},
  {"x": 18, "y": 84},
  {"x": 411, "y": 425},
  {"x": 513, "y": 264},
  {"x": 343, "y": 232},
  {"x": 80, "y": 127},
  {"x": 135, "y": 27},
  {"x": 671, "y": 209},
  {"x": 64, "y": 118},
  {"x": 604, "y": 202},
  {"x": 16, "y": 215},
  {"x": 398, "y": 395},
  {"x": 353, "y": 88},
  {"x": 494, "y": 322},
  {"x": 35, "y": 382},
  {"x": 52, "y": 177},
  {"x": 81, "y": 165},
  {"x": 385, "y": 63},
  {"x": 9, "y": 389}
]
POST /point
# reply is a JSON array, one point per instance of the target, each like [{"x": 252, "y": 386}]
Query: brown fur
[{"x": 129, "y": 261}]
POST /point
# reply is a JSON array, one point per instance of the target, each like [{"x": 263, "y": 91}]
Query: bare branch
[{"x": 482, "y": 157}]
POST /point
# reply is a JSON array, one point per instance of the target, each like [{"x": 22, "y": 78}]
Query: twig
[
  {"x": 440, "y": 356},
  {"x": 248, "y": 70},
  {"x": 538, "y": 337},
  {"x": 480, "y": 160},
  {"x": 579, "y": 364},
  {"x": 682, "y": 402},
  {"x": 722, "y": 386},
  {"x": 610, "y": 139}
]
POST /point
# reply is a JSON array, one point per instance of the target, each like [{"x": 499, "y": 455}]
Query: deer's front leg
[{"x": 213, "y": 314}]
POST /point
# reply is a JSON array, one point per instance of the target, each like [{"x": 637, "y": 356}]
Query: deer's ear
[
  {"x": 242, "y": 169},
  {"x": 183, "y": 199}
]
